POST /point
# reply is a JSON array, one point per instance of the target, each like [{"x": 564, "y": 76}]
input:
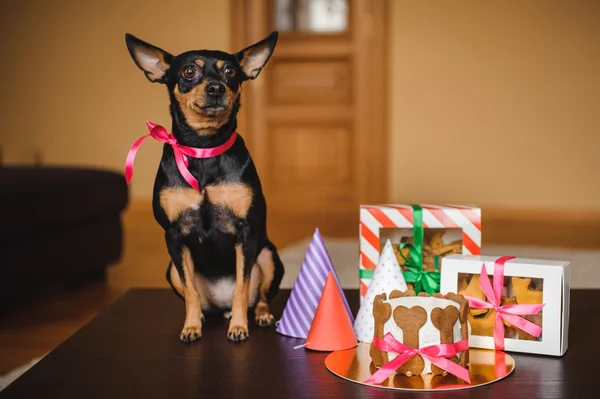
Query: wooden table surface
[{"x": 132, "y": 350}]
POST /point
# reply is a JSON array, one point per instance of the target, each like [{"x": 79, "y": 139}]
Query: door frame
[{"x": 369, "y": 19}]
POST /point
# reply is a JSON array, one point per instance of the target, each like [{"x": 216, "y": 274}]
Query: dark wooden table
[{"x": 132, "y": 350}]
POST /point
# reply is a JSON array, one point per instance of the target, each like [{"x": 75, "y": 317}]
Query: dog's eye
[
  {"x": 229, "y": 72},
  {"x": 189, "y": 72}
]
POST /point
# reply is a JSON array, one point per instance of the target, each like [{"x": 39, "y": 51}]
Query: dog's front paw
[
  {"x": 190, "y": 333},
  {"x": 264, "y": 319},
  {"x": 237, "y": 333}
]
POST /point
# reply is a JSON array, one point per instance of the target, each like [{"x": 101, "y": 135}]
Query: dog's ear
[
  {"x": 152, "y": 60},
  {"x": 252, "y": 59}
]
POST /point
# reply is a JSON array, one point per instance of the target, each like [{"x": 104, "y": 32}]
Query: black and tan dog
[{"x": 221, "y": 257}]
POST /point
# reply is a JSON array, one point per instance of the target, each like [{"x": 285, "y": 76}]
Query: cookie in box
[
  {"x": 422, "y": 235},
  {"x": 516, "y": 304}
]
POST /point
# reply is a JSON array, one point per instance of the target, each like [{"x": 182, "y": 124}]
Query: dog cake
[{"x": 417, "y": 322}]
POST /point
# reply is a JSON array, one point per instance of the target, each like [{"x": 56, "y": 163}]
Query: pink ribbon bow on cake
[
  {"x": 510, "y": 313},
  {"x": 437, "y": 354},
  {"x": 181, "y": 152}
]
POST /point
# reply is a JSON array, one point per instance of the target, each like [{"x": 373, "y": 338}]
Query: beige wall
[
  {"x": 70, "y": 88},
  {"x": 495, "y": 102}
]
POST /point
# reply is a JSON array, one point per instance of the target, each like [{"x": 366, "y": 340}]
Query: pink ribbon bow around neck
[
  {"x": 181, "y": 152},
  {"x": 511, "y": 313},
  {"x": 437, "y": 354}
]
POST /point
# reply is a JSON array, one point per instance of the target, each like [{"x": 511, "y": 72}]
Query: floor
[{"x": 38, "y": 328}]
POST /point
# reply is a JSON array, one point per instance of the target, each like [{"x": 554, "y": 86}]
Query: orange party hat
[{"x": 331, "y": 328}]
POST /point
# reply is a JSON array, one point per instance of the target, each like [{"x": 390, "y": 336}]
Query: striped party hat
[{"x": 301, "y": 306}]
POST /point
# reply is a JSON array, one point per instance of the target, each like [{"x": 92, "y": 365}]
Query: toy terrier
[{"x": 221, "y": 257}]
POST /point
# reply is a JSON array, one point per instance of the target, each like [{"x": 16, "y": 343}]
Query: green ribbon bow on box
[{"x": 423, "y": 280}]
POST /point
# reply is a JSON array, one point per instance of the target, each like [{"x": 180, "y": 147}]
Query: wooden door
[{"x": 315, "y": 119}]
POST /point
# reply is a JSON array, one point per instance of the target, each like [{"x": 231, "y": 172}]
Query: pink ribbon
[
  {"x": 437, "y": 354},
  {"x": 510, "y": 313},
  {"x": 181, "y": 152},
  {"x": 500, "y": 364}
]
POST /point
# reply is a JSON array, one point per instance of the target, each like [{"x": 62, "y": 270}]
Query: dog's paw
[
  {"x": 237, "y": 333},
  {"x": 264, "y": 320},
  {"x": 190, "y": 334}
]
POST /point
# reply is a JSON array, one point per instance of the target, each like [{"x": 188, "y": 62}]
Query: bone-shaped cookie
[
  {"x": 444, "y": 320},
  {"x": 463, "y": 313},
  {"x": 381, "y": 314},
  {"x": 463, "y": 317},
  {"x": 400, "y": 294},
  {"x": 410, "y": 321}
]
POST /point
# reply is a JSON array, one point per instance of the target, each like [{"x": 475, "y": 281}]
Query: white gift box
[{"x": 556, "y": 277}]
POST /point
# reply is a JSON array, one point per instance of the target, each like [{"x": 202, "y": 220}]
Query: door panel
[
  {"x": 310, "y": 112},
  {"x": 315, "y": 118},
  {"x": 309, "y": 82},
  {"x": 299, "y": 170},
  {"x": 297, "y": 160}
]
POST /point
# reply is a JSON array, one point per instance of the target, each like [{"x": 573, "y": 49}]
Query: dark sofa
[{"x": 57, "y": 225}]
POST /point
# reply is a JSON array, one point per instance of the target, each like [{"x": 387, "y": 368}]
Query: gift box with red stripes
[{"x": 444, "y": 230}]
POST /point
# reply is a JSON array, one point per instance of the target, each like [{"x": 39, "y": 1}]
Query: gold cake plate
[{"x": 485, "y": 367}]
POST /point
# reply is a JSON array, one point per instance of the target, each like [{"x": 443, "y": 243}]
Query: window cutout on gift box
[
  {"x": 436, "y": 243},
  {"x": 517, "y": 291}
]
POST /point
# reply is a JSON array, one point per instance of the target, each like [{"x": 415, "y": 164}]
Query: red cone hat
[{"x": 331, "y": 329}]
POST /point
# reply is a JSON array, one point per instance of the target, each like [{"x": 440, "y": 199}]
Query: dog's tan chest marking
[
  {"x": 234, "y": 196},
  {"x": 179, "y": 202},
  {"x": 175, "y": 201}
]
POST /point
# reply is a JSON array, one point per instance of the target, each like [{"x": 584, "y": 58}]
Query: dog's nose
[{"x": 215, "y": 90}]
